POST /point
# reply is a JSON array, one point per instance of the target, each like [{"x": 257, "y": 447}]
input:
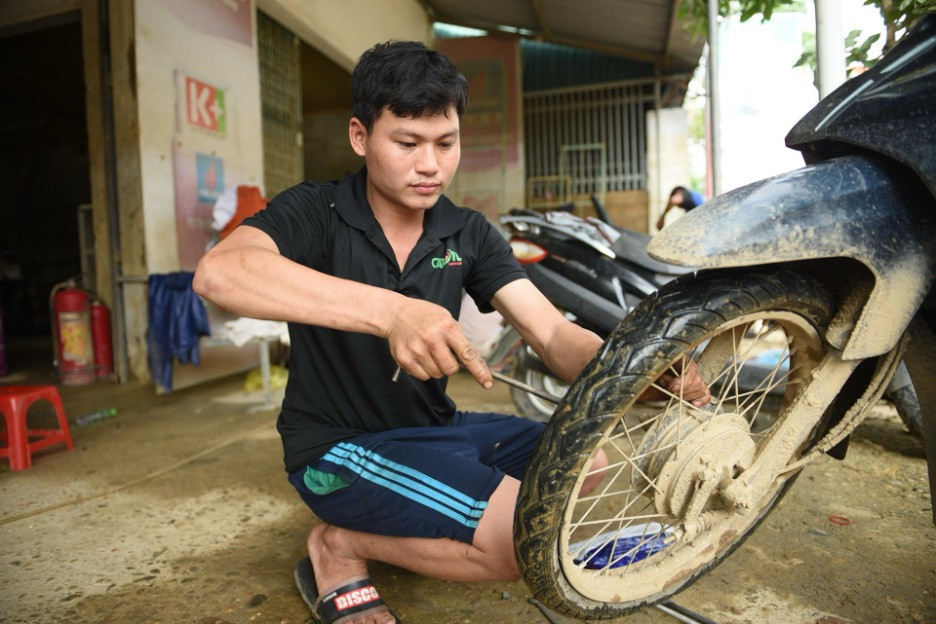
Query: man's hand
[
  {"x": 686, "y": 384},
  {"x": 428, "y": 343}
]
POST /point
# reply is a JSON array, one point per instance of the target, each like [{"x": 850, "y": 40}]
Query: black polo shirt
[{"x": 340, "y": 382}]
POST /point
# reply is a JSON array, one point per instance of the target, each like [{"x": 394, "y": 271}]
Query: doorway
[{"x": 44, "y": 176}]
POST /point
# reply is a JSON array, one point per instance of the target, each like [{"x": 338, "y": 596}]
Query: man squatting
[{"x": 369, "y": 273}]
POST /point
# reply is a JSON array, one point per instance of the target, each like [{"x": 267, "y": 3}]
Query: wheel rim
[
  {"x": 667, "y": 522},
  {"x": 545, "y": 383}
]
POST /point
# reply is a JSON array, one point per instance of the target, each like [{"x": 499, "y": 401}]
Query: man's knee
[
  {"x": 512, "y": 573},
  {"x": 493, "y": 538},
  {"x": 512, "y": 568},
  {"x": 500, "y": 562},
  {"x": 596, "y": 472}
]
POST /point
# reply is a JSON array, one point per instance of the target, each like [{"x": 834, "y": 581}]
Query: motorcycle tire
[{"x": 568, "y": 541}]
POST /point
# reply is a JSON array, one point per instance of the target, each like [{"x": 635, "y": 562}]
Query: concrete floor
[{"x": 178, "y": 510}]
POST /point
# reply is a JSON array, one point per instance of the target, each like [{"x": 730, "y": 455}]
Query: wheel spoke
[
  {"x": 595, "y": 500},
  {"x": 759, "y": 395}
]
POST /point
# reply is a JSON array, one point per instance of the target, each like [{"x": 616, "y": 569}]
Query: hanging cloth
[{"x": 177, "y": 318}]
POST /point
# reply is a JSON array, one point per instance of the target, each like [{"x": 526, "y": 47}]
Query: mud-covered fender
[{"x": 850, "y": 207}]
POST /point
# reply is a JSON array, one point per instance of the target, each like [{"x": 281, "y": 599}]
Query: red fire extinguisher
[
  {"x": 101, "y": 335},
  {"x": 71, "y": 324}
]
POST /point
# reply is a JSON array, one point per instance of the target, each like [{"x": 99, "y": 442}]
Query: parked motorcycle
[
  {"x": 595, "y": 272},
  {"x": 833, "y": 264}
]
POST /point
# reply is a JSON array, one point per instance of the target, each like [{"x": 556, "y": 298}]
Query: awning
[{"x": 642, "y": 30}]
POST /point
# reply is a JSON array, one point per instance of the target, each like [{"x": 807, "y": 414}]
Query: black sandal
[{"x": 340, "y": 605}]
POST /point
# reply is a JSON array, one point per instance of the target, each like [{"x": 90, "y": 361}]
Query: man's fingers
[
  {"x": 413, "y": 369},
  {"x": 691, "y": 388},
  {"x": 476, "y": 365},
  {"x": 442, "y": 362},
  {"x": 687, "y": 385},
  {"x": 435, "y": 346}
]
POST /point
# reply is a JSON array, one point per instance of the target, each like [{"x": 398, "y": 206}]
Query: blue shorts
[{"x": 418, "y": 481}]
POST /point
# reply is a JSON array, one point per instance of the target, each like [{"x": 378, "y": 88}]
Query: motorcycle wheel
[
  {"x": 527, "y": 369},
  {"x": 650, "y": 528}
]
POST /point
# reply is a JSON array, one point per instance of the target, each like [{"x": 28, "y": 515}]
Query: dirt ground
[{"x": 178, "y": 510}]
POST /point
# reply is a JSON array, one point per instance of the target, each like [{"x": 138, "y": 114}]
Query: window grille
[
  {"x": 585, "y": 140},
  {"x": 281, "y": 101}
]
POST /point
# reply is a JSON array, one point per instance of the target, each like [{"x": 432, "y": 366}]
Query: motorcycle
[
  {"x": 833, "y": 264},
  {"x": 591, "y": 270},
  {"x": 597, "y": 273}
]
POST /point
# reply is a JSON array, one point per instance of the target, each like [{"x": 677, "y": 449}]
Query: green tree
[
  {"x": 898, "y": 15},
  {"x": 855, "y": 53},
  {"x": 696, "y": 11}
]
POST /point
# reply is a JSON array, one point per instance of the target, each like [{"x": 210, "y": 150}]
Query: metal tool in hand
[{"x": 510, "y": 381}]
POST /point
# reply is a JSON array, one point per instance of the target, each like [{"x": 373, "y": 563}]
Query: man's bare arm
[
  {"x": 566, "y": 348},
  {"x": 246, "y": 274},
  {"x": 563, "y": 346}
]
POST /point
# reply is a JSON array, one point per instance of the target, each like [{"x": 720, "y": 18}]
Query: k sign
[{"x": 205, "y": 105}]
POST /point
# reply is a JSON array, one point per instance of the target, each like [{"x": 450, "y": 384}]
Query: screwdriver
[{"x": 510, "y": 381}]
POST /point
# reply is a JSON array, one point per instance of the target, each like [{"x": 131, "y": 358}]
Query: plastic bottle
[
  {"x": 103, "y": 414},
  {"x": 615, "y": 549}
]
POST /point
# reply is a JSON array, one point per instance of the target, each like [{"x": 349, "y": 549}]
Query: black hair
[
  {"x": 688, "y": 201},
  {"x": 408, "y": 79}
]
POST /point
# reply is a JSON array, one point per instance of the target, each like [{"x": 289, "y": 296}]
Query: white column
[
  {"x": 830, "y": 46},
  {"x": 714, "y": 142}
]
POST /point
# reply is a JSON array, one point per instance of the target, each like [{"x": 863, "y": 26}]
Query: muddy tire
[{"x": 561, "y": 530}]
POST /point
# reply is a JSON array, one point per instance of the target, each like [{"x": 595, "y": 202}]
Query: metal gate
[
  {"x": 281, "y": 101},
  {"x": 586, "y": 140}
]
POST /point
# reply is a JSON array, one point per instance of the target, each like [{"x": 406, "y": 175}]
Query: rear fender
[{"x": 851, "y": 207}]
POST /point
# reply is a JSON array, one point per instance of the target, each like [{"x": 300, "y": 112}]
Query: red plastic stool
[{"x": 14, "y": 403}]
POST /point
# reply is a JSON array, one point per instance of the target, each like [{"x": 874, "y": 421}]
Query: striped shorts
[{"x": 418, "y": 481}]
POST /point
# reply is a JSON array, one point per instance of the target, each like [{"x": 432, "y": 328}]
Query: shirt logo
[{"x": 451, "y": 258}]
